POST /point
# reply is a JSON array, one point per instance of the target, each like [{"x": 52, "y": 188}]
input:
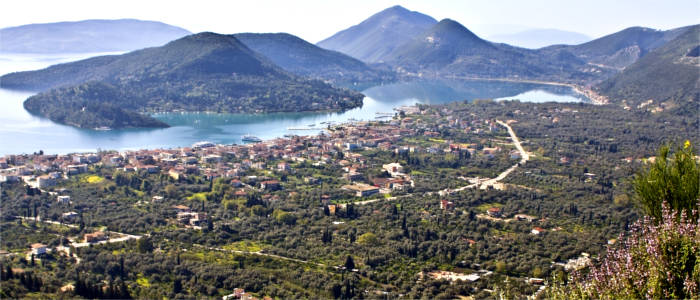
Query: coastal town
[
  {"x": 273, "y": 169},
  {"x": 339, "y": 146},
  {"x": 358, "y": 185},
  {"x": 237, "y": 151}
]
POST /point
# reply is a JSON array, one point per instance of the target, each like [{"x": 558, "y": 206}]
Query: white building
[
  {"x": 38, "y": 249},
  {"x": 63, "y": 199},
  {"x": 393, "y": 168}
]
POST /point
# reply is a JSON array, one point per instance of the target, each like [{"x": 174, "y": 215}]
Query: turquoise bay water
[{"x": 21, "y": 132}]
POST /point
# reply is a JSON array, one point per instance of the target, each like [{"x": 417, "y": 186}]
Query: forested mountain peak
[
  {"x": 624, "y": 47},
  {"x": 305, "y": 59},
  {"x": 377, "y": 36},
  {"x": 200, "y": 72},
  {"x": 664, "y": 79},
  {"x": 450, "y": 31},
  {"x": 194, "y": 55}
]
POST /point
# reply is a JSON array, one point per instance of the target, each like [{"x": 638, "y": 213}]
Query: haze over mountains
[
  {"x": 538, "y": 38},
  {"x": 250, "y": 72},
  {"x": 88, "y": 36}
]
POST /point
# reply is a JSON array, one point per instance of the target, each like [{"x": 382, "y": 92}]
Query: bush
[
  {"x": 674, "y": 180},
  {"x": 660, "y": 257},
  {"x": 656, "y": 261},
  {"x": 368, "y": 239}
]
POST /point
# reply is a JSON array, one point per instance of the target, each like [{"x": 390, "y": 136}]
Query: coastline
[
  {"x": 223, "y": 128},
  {"x": 588, "y": 92}
]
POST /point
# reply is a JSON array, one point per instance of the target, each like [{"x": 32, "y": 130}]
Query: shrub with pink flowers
[
  {"x": 653, "y": 261},
  {"x": 659, "y": 258}
]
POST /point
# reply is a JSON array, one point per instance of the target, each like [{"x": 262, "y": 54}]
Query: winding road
[
  {"x": 524, "y": 157},
  {"x": 483, "y": 184},
  {"x": 260, "y": 253},
  {"x": 123, "y": 237}
]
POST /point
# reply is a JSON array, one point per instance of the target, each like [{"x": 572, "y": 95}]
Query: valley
[
  {"x": 286, "y": 199},
  {"x": 403, "y": 157}
]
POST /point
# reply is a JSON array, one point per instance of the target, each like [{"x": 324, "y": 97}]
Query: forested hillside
[
  {"x": 305, "y": 59},
  {"x": 667, "y": 78},
  {"x": 202, "y": 72},
  {"x": 379, "y": 35}
]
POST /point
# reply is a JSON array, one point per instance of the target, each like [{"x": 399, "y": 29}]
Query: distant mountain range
[
  {"x": 449, "y": 49},
  {"x": 622, "y": 48},
  {"x": 201, "y": 72},
  {"x": 305, "y": 59},
  {"x": 270, "y": 72},
  {"x": 538, "y": 38},
  {"x": 669, "y": 75},
  {"x": 414, "y": 45},
  {"x": 380, "y": 35},
  {"x": 88, "y": 36}
]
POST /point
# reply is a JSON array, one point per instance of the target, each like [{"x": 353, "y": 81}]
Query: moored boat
[{"x": 251, "y": 138}]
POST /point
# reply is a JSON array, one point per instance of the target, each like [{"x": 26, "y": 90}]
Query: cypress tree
[{"x": 349, "y": 263}]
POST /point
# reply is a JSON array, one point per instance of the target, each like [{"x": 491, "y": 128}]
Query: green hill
[
  {"x": 379, "y": 35},
  {"x": 668, "y": 75},
  {"x": 449, "y": 49},
  {"x": 441, "y": 46},
  {"x": 201, "y": 72},
  {"x": 305, "y": 59},
  {"x": 623, "y": 48},
  {"x": 73, "y": 108}
]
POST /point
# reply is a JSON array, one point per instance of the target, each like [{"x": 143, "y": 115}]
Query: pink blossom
[{"x": 651, "y": 261}]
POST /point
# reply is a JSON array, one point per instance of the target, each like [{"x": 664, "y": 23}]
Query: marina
[{"x": 301, "y": 128}]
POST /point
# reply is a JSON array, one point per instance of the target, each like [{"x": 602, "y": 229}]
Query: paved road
[
  {"x": 123, "y": 236},
  {"x": 524, "y": 157},
  {"x": 258, "y": 253},
  {"x": 483, "y": 183},
  {"x": 380, "y": 199}
]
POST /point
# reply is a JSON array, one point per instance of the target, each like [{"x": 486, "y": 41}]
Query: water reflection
[{"x": 21, "y": 132}]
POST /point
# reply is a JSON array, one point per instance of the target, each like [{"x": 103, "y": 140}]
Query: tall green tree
[
  {"x": 145, "y": 245},
  {"x": 673, "y": 178},
  {"x": 659, "y": 258},
  {"x": 349, "y": 263}
]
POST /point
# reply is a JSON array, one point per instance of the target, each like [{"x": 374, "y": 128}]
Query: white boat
[{"x": 250, "y": 138}]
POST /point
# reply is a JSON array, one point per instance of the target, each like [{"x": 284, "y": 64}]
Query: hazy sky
[{"x": 314, "y": 20}]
